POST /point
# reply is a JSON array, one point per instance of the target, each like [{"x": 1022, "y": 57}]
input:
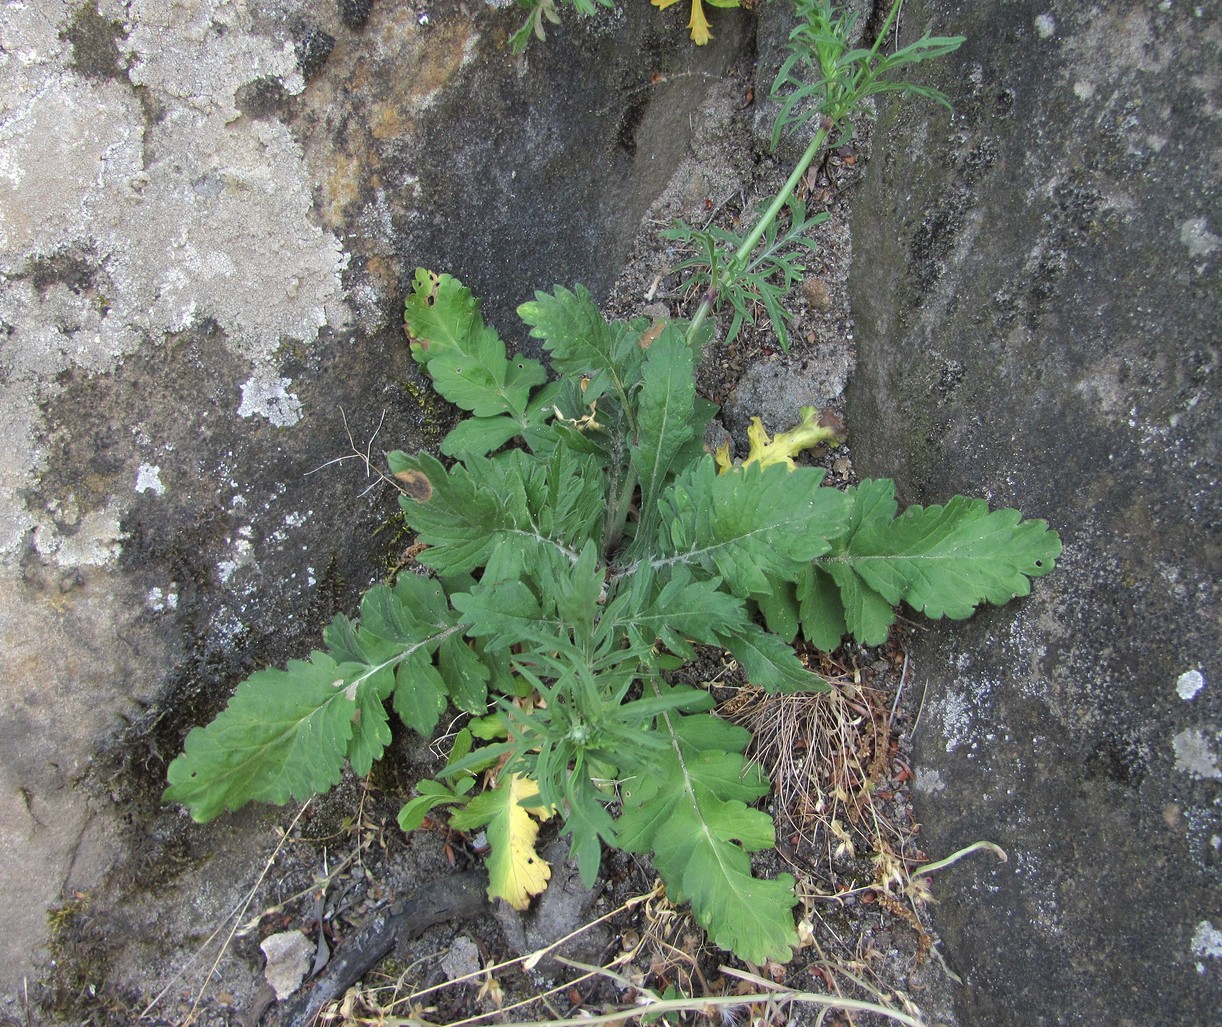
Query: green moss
[{"x": 75, "y": 989}]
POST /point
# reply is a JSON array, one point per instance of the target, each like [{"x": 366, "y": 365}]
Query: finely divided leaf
[
  {"x": 283, "y": 735},
  {"x": 691, "y": 812}
]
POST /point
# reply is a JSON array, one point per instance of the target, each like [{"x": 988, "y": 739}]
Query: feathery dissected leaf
[
  {"x": 750, "y": 522},
  {"x": 465, "y": 358},
  {"x": 942, "y": 560},
  {"x": 506, "y": 812},
  {"x": 691, "y": 812},
  {"x": 284, "y": 735}
]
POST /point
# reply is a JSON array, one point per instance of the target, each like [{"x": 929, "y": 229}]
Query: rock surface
[
  {"x": 209, "y": 211},
  {"x": 1036, "y": 286}
]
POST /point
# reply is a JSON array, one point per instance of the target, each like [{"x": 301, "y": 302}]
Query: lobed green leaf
[
  {"x": 750, "y": 522},
  {"x": 691, "y": 812},
  {"x": 580, "y": 341},
  {"x": 284, "y": 735},
  {"x": 665, "y": 419},
  {"x": 944, "y": 561},
  {"x": 465, "y": 358}
]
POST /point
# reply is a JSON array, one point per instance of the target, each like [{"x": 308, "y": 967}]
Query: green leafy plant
[
  {"x": 759, "y": 278},
  {"x": 540, "y": 11},
  {"x": 566, "y": 577},
  {"x": 825, "y": 80},
  {"x": 579, "y": 546}
]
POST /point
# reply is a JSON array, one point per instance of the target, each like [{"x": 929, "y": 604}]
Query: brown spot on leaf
[
  {"x": 648, "y": 338},
  {"x": 416, "y": 485}
]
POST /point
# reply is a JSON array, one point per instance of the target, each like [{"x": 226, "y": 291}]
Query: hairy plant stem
[
  {"x": 839, "y": 103},
  {"x": 618, "y": 508}
]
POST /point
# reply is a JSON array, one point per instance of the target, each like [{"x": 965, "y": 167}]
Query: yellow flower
[
  {"x": 806, "y": 434},
  {"x": 698, "y": 23}
]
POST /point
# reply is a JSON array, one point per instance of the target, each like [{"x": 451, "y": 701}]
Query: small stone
[
  {"x": 462, "y": 960},
  {"x": 288, "y": 958},
  {"x": 817, "y": 294}
]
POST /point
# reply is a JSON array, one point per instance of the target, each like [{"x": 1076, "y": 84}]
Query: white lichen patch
[
  {"x": 1206, "y": 943},
  {"x": 956, "y": 720},
  {"x": 270, "y": 397},
  {"x": 216, "y": 52},
  {"x": 1195, "y": 234},
  {"x": 95, "y": 541},
  {"x": 158, "y": 600},
  {"x": 1045, "y": 25},
  {"x": 928, "y": 781},
  {"x": 1195, "y": 755},
  {"x": 148, "y": 479},
  {"x": 1189, "y": 684},
  {"x": 956, "y": 711},
  {"x": 198, "y": 216}
]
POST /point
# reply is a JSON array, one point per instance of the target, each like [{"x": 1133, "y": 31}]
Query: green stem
[
  {"x": 840, "y": 107},
  {"x": 618, "y": 508},
  {"x": 743, "y": 254},
  {"x": 865, "y": 74}
]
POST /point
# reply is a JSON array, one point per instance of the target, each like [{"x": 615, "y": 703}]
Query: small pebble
[{"x": 816, "y": 294}]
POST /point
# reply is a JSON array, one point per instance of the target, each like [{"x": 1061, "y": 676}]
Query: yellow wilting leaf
[
  {"x": 515, "y": 870},
  {"x": 806, "y": 434}
]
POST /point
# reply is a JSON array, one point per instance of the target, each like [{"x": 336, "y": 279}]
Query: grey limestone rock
[{"x": 1036, "y": 290}]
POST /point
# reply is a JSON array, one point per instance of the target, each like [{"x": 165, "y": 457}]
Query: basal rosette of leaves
[{"x": 578, "y": 543}]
